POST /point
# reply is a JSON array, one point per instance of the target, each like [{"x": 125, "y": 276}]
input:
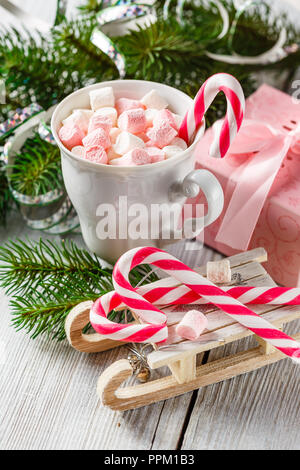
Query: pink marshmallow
[
  {"x": 125, "y": 104},
  {"x": 161, "y": 136},
  {"x": 102, "y": 122},
  {"x": 165, "y": 117},
  {"x": 96, "y": 155},
  {"x": 135, "y": 157},
  {"x": 80, "y": 118},
  {"x": 143, "y": 136},
  {"x": 192, "y": 325},
  {"x": 133, "y": 121},
  {"x": 71, "y": 135},
  {"x": 97, "y": 138},
  {"x": 157, "y": 155}
]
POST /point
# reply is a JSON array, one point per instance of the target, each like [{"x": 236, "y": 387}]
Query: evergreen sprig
[
  {"x": 25, "y": 265},
  {"x": 46, "y": 280},
  {"x": 36, "y": 169}
]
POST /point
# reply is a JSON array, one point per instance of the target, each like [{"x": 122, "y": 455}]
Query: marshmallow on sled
[
  {"x": 156, "y": 154},
  {"x": 96, "y": 155},
  {"x": 97, "y": 138},
  {"x": 133, "y": 121},
  {"x": 153, "y": 100},
  {"x": 71, "y": 135},
  {"x": 126, "y": 142},
  {"x": 192, "y": 325},
  {"x": 161, "y": 136},
  {"x": 219, "y": 272},
  {"x": 171, "y": 151},
  {"x": 124, "y": 104},
  {"x": 102, "y": 122},
  {"x": 79, "y": 117},
  {"x": 109, "y": 113},
  {"x": 79, "y": 151},
  {"x": 135, "y": 157},
  {"x": 101, "y": 98}
]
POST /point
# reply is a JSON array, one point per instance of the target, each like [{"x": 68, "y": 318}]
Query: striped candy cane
[
  {"x": 233, "y": 119},
  {"x": 200, "y": 285},
  {"x": 182, "y": 295},
  {"x": 178, "y": 295},
  {"x": 135, "y": 333}
]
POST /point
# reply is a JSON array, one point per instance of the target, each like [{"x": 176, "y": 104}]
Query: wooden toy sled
[{"x": 180, "y": 357}]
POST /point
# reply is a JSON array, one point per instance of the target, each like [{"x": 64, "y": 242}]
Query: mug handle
[
  {"x": 205, "y": 181},
  {"x": 193, "y": 183}
]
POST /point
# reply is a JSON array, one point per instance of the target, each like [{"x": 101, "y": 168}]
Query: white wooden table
[{"x": 48, "y": 394}]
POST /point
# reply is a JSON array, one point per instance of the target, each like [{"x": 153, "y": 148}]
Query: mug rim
[{"x": 111, "y": 168}]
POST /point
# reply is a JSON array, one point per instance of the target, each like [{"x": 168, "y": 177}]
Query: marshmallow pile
[{"x": 123, "y": 132}]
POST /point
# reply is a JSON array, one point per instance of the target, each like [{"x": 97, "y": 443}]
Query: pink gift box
[{"x": 260, "y": 177}]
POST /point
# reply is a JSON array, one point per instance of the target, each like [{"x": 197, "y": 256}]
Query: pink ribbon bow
[{"x": 269, "y": 147}]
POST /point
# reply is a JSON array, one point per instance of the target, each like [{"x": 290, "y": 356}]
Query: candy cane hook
[{"x": 233, "y": 119}]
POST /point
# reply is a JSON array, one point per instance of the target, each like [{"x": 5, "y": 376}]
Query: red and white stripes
[
  {"x": 233, "y": 119},
  {"x": 135, "y": 333},
  {"x": 201, "y": 286},
  {"x": 183, "y": 295}
]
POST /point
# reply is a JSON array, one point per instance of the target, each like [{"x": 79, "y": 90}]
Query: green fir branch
[
  {"x": 26, "y": 264},
  {"x": 46, "y": 280},
  {"x": 36, "y": 168}
]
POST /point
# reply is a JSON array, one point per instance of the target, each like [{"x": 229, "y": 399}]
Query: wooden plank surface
[{"x": 48, "y": 391}]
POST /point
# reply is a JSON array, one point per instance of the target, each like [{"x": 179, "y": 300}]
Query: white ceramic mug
[{"x": 90, "y": 185}]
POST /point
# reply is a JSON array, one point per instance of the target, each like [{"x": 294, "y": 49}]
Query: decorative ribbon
[
  {"x": 278, "y": 52},
  {"x": 65, "y": 219},
  {"x": 122, "y": 11},
  {"x": 19, "y": 117},
  {"x": 268, "y": 148}
]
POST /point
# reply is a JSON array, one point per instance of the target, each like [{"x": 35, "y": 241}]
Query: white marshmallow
[
  {"x": 178, "y": 120},
  {"x": 171, "y": 151},
  {"x": 102, "y": 97},
  {"x": 111, "y": 154},
  {"x": 150, "y": 114},
  {"x": 153, "y": 100},
  {"x": 179, "y": 143},
  {"x": 114, "y": 133},
  {"x": 79, "y": 151},
  {"x": 126, "y": 142},
  {"x": 219, "y": 272},
  {"x": 87, "y": 112},
  {"x": 108, "y": 112}
]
